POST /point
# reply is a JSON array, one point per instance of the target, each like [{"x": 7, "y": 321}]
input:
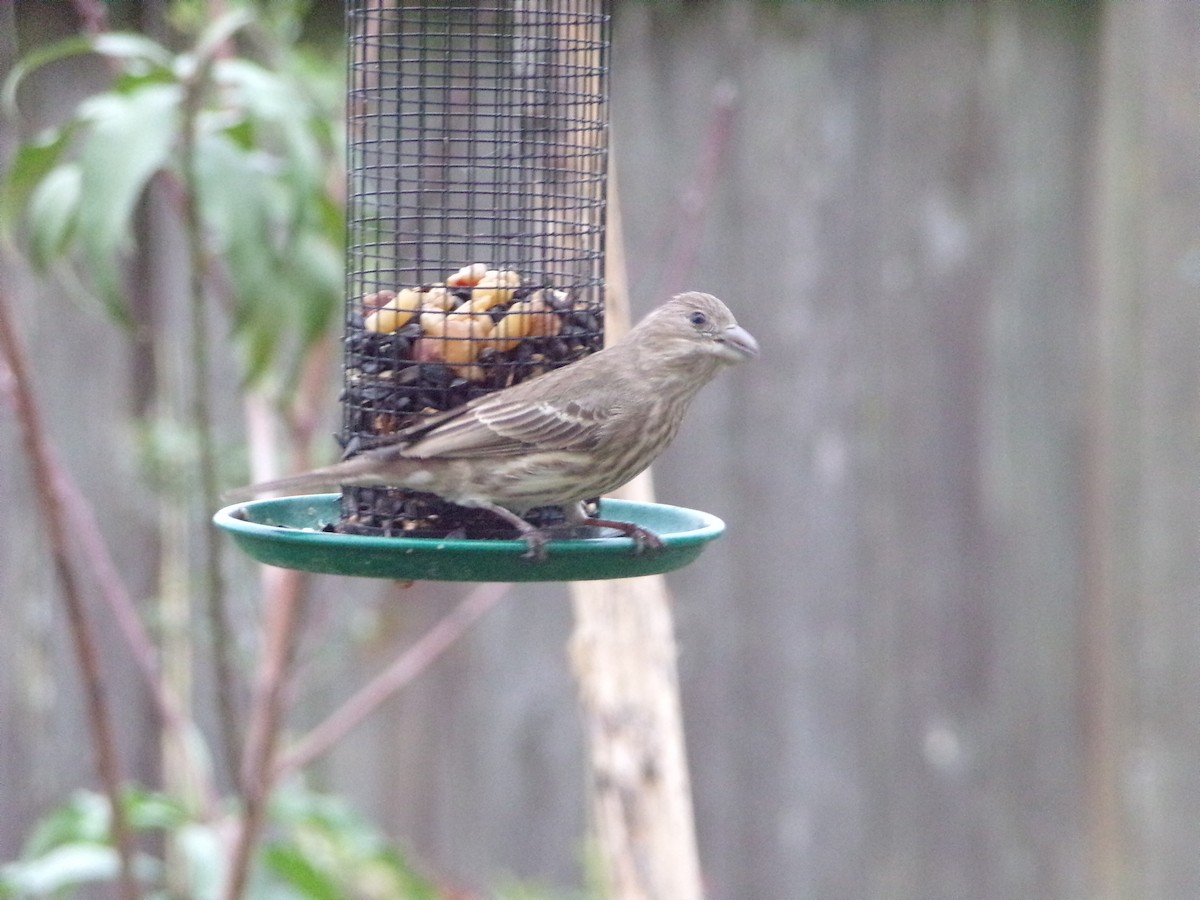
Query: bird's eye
[{"x": 698, "y": 318}]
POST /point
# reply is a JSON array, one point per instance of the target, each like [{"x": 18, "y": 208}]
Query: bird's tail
[{"x": 327, "y": 478}]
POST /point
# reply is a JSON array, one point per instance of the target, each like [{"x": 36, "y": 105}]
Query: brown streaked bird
[{"x": 576, "y": 432}]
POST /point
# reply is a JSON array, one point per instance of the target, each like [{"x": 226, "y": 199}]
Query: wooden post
[
  {"x": 623, "y": 655},
  {"x": 623, "y": 647}
]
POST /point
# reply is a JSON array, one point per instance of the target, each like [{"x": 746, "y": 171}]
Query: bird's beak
[{"x": 737, "y": 344}]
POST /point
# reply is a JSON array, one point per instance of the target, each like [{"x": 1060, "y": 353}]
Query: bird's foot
[
  {"x": 535, "y": 541},
  {"x": 535, "y": 538},
  {"x": 643, "y": 538}
]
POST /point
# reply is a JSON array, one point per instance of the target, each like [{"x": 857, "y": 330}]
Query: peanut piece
[
  {"x": 494, "y": 289},
  {"x": 395, "y": 313},
  {"x": 376, "y": 299},
  {"x": 437, "y": 298},
  {"x": 449, "y": 339},
  {"x": 467, "y": 276},
  {"x": 531, "y": 317}
]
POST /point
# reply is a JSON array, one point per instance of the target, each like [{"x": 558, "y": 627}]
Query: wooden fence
[{"x": 950, "y": 646}]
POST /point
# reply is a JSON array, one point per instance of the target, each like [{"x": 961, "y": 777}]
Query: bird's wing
[
  {"x": 502, "y": 429},
  {"x": 499, "y": 426}
]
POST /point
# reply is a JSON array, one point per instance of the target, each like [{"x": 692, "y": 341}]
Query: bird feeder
[{"x": 478, "y": 150}]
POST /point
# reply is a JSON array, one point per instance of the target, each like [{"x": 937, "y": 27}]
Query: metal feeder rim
[{"x": 286, "y": 532}]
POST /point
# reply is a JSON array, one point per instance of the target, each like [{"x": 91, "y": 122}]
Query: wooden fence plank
[{"x": 950, "y": 642}]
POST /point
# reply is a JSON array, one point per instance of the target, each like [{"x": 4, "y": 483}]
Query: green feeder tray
[{"x": 287, "y": 532}]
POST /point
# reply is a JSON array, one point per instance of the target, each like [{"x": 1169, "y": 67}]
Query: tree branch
[
  {"x": 283, "y": 613},
  {"x": 52, "y": 500},
  {"x": 115, "y": 596},
  {"x": 220, "y": 629},
  {"x": 93, "y": 15},
  {"x": 415, "y": 660}
]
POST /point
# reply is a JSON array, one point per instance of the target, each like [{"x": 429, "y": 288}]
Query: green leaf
[
  {"x": 315, "y": 283},
  {"x": 214, "y": 37},
  {"x": 131, "y": 136},
  {"x": 224, "y": 27},
  {"x": 265, "y": 94},
  {"x": 292, "y": 866},
  {"x": 324, "y": 842},
  {"x": 127, "y": 48},
  {"x": 54, "y": 212},
  {"x": 132, "y": 48},
  {"x": 31, "y": 163},
  {"x": 43, "y": 56},
  {"x": 62, "y": 867},
  {"x": 258, "y": 346},
  {"x": 236, "y": 193},
  {"x": 203, "y": 859},
  {"x": 83, "y": 818},
  {"x": 281, "y": 120},
  {"x": 243, "y": 208},
  {"x": 152, "y": 810}
]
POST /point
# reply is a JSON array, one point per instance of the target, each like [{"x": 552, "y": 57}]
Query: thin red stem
[
  {"x": 116, "y": 597},
  {"x": 415, "y": 660},
  {"x": 52, "y": 502},
  {"x": 284, "y": 610}
]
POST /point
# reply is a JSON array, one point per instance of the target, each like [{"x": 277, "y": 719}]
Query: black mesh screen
[{"x": 476, "y": 198}]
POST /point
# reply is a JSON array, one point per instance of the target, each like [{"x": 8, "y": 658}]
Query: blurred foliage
[
  {"x": 318, "y": 850},
  {"x": 242, "y": 130},
  {"x": 244, "y": 123}
]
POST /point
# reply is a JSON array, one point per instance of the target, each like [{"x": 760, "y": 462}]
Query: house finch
[{"x": 574, "y": 433}]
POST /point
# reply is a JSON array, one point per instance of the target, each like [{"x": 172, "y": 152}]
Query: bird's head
[{"x": 696, "y": 325}]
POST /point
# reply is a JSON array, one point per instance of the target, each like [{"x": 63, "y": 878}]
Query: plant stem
[
  {"x": 52, "y": 501},
  {"x": 115, "y": 596},
  {"x": 221, "y": 632},
  {"x": 93, "y": 15},
  {"x": 281, "y": 626},
  {"x": 283, "y": 604},
  {"x": 415, "y": 660}
]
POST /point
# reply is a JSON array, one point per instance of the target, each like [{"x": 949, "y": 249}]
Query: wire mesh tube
[{"x": 477, "y": 159}]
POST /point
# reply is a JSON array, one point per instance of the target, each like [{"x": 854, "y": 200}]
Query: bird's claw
[
  {"x": 645, "y": 540},
  {"x": 535, "y": 543}
]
